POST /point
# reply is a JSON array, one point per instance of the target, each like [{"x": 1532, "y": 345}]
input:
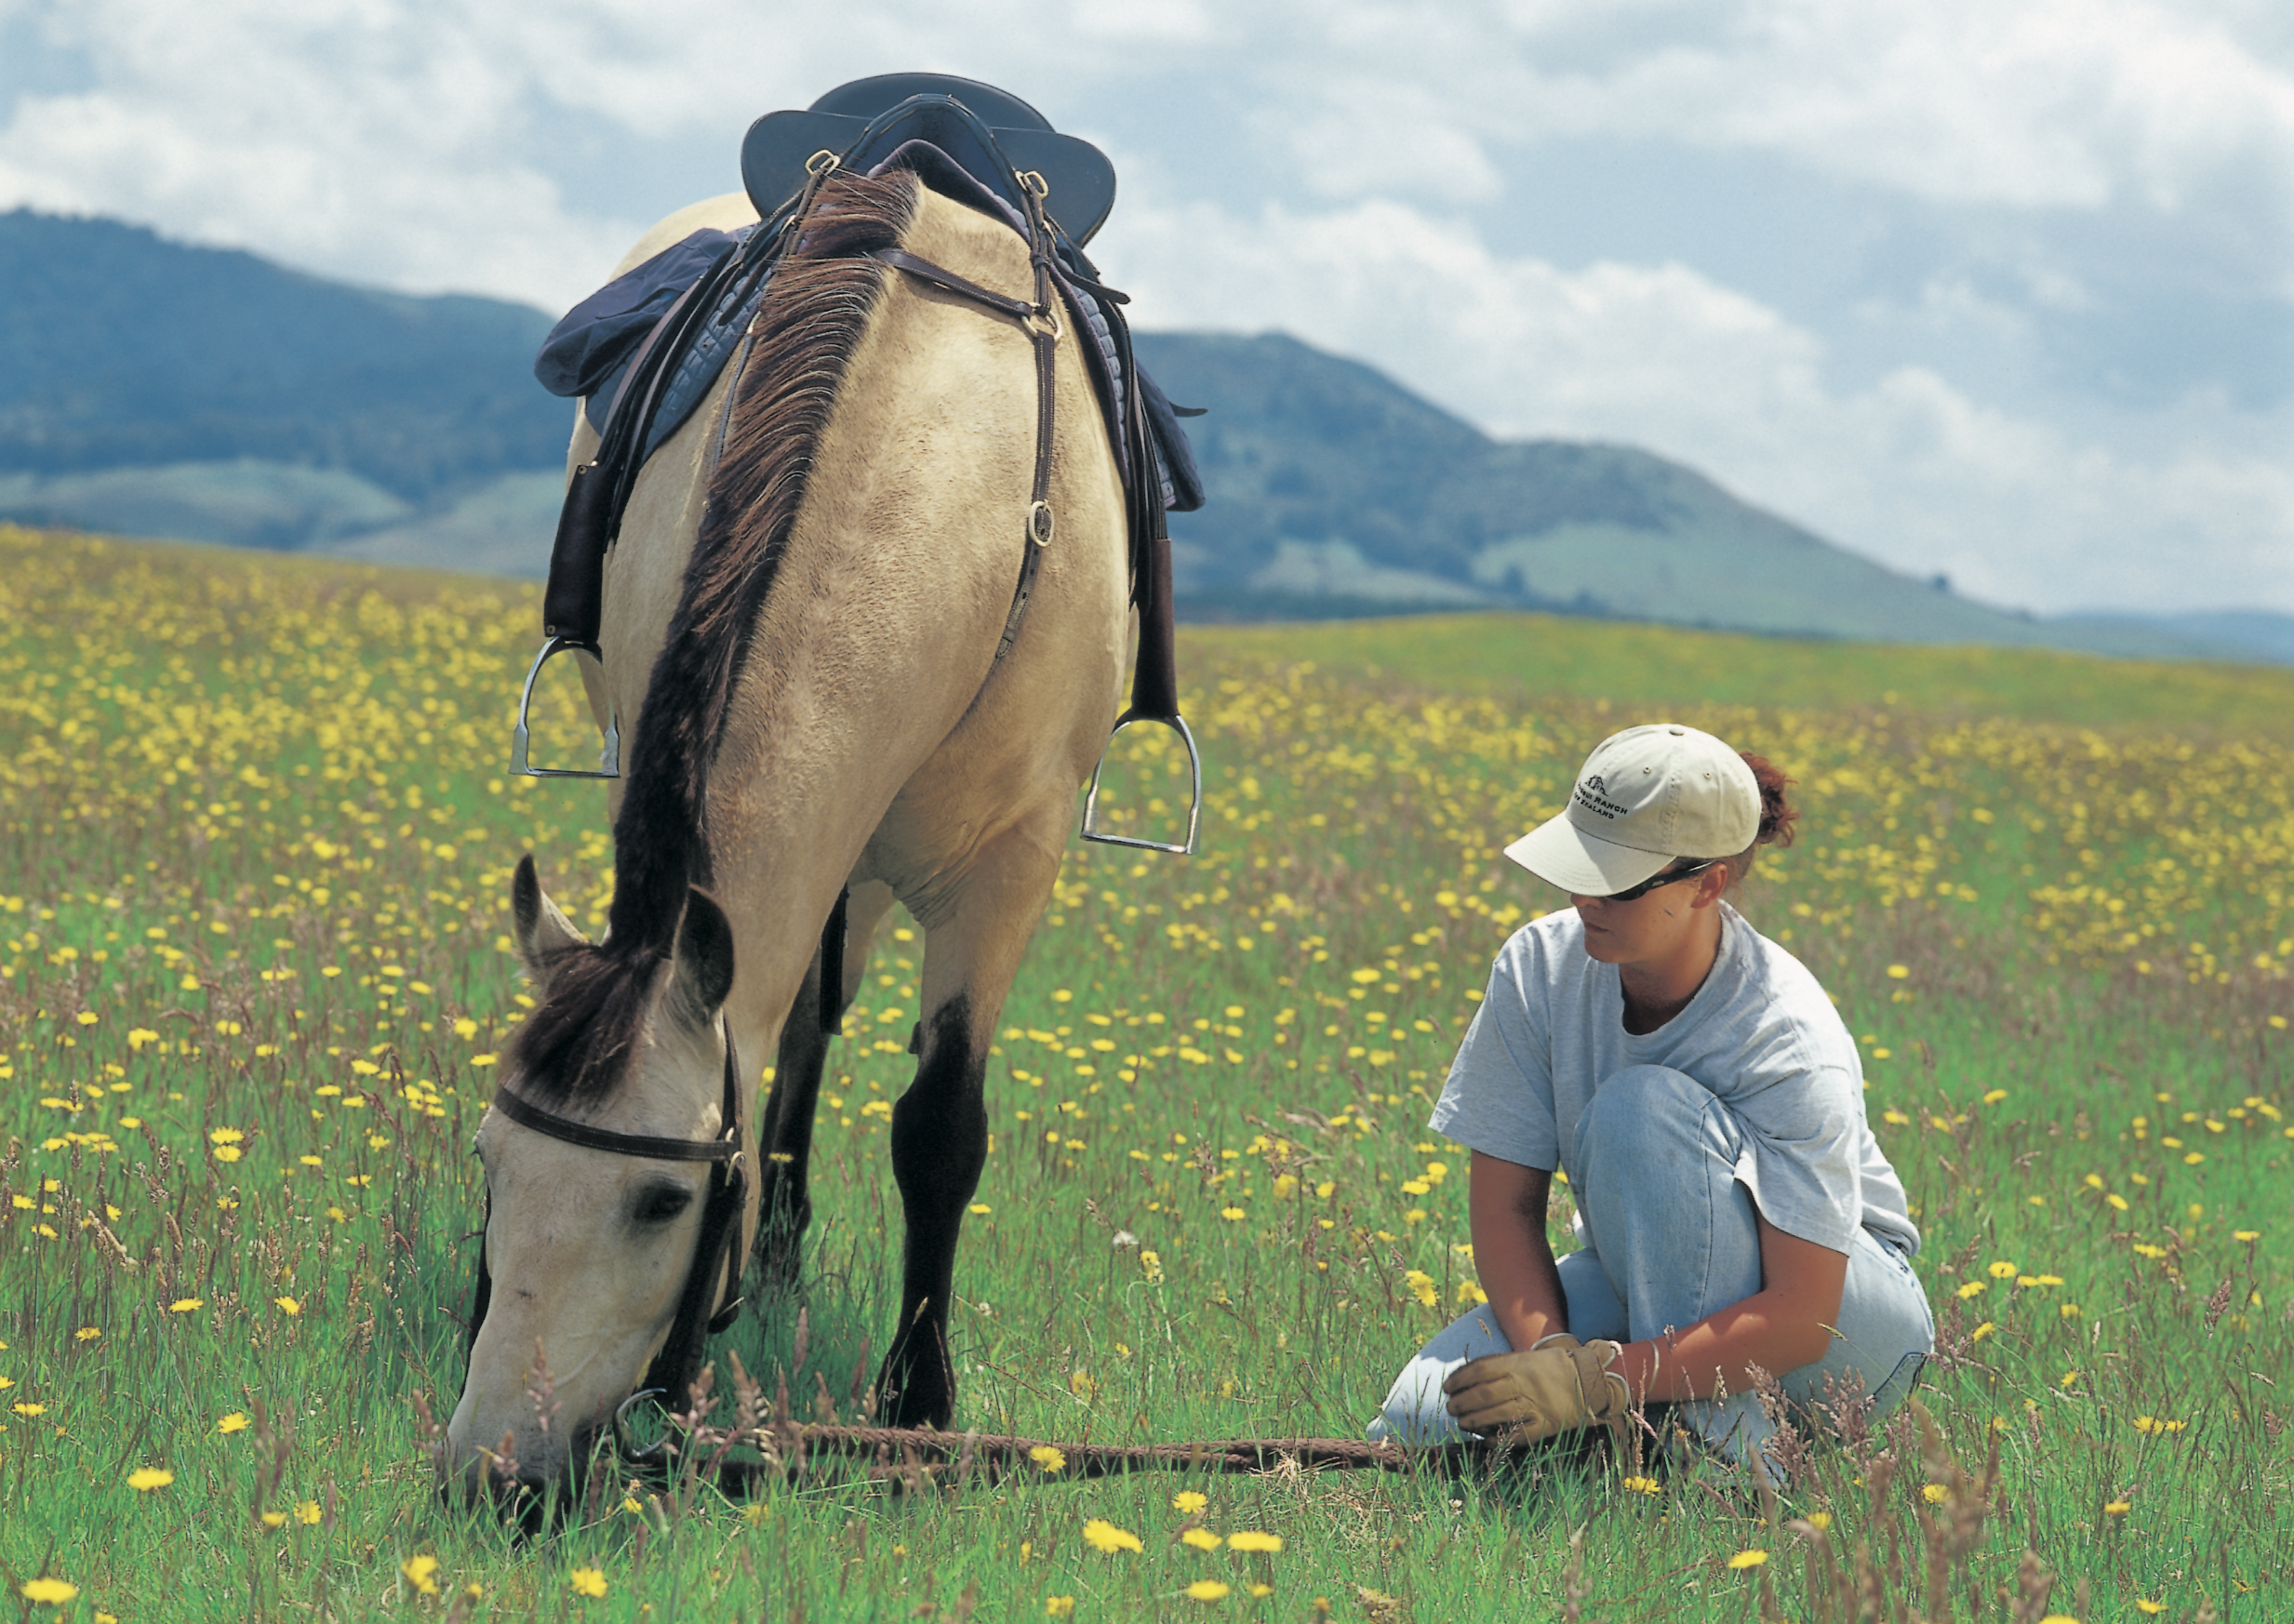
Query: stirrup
[
  {"x": 609, "y": 760},
  {"x": 1195, "y": 809}
]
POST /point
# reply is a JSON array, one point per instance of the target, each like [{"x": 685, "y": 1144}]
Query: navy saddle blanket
[{"x": 587, "y": 355}]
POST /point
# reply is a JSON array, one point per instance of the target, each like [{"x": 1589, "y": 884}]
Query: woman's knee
[{"x": 1639, "y": 1107}]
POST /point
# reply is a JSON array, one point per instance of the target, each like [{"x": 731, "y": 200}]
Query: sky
[{"x": 2003, "y": 292}]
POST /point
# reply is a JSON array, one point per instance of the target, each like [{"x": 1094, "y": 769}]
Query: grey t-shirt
[{"x": 1760, "y": 1033}]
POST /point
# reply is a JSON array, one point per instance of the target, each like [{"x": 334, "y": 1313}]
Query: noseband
[{"x": 712, "y": 1298}]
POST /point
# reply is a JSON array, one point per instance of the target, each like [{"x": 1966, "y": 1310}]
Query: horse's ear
[
  {"x": 704, "y": 955},
  {"x": 543, "y": 931}
]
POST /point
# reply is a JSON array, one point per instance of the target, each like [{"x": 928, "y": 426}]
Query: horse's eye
[{"x": 661, "y": 1203}]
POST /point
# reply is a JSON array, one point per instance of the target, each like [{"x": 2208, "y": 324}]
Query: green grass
[{"x": 224, "y": 778}]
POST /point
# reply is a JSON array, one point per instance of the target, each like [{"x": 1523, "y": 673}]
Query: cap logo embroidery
[{"x": 1593, "y": 794}]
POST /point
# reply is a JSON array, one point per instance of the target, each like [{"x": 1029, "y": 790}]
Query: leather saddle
[{"x": 989, "y": 132}]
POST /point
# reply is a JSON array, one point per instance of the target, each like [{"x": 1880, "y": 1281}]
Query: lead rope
[{"x": 788, "y": 1448}]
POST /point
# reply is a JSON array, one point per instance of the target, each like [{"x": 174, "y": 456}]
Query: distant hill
[
  {"x": 127, "y": 351},
  {"x": 1334, "y": 491},
  {"x": 155, "y": 389}
]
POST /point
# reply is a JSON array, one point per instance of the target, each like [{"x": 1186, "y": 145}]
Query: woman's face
[{"x": 1659, "y": 925}]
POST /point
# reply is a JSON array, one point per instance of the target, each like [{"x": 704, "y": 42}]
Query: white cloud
[
  {"x": 434, "y": 144},
  {"x": 1910, "y": 471}
]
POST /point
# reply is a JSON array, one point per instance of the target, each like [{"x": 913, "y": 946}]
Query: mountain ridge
[{"x": 155, "y": 388}]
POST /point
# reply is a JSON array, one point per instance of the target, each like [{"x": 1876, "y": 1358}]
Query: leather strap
[
  {"x": 526, "y": 1113},
  {"x": 940, "y": 277}
]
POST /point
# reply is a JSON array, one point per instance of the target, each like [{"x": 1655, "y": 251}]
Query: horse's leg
[
  {"x": 974, "y": 933},
  {"x": 785, "y": 1135}
]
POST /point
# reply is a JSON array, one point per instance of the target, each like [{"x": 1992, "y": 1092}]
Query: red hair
[{"x": 1777, "y": 815}]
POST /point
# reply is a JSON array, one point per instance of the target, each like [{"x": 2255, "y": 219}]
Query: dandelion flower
[
  {"x": 1102, "y": 1535},
  {"x": 187, "y": 1305},
  {"x": 234, "y": 1422},
  {"x": 2117, "y": 1508},
  {"x": 1059, "y": 1607},
  {"x": 85, "y": 1334},
  {"x": 1201, "y": 1538},
  {"x": 1251, "y": 1540},
  {"x": 275, "y": 1519},
  {"x": 1748, "y": 1559},
  {"x": 50, "y": 1592},
  {"x": 1047, "y": 1457},
  {"x": 1933, "y": 1493},
  {"x": 287, "y": 1305},
  {"x": 307, "y": 1514},
  {"x": 1208, "y": 1590},
  {"x": 1188, "y": 1501},
  {"x": 144, "y": 1479},
  {"x": 421, "y": 1573},
  {"x": 1820, "y": 1521},
  {"x": 587, "y": 1581},
  {"x": 1641, "y": 1486}
]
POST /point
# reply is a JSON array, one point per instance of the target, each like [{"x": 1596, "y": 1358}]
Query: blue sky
[{"x": 2004, "y": 291}]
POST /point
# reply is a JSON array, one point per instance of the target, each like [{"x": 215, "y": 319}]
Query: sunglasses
[{"x": 1646, "y": 886}]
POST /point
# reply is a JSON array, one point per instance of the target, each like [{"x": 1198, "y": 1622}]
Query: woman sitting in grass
[{"x": 1706, "y": 1105}]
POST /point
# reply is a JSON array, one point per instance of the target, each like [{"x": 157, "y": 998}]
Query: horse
[{"x": 804, "y": 611}]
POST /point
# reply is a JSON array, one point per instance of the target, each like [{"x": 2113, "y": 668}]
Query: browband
[{"x": 527, "y": 1114}]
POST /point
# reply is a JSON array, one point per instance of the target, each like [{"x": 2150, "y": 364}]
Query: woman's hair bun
[{"x": 1776, "y": 814}]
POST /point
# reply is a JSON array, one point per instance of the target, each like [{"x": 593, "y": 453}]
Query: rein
[{"x": 709, "y": 1303}]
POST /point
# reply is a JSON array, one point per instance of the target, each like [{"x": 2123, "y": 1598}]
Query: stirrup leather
[
  {"x": 1194, "y": 770},
  {"x": 610, "y": 758}
]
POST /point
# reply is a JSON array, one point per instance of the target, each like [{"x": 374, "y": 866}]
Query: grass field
[{"x": 255, "y": 841}]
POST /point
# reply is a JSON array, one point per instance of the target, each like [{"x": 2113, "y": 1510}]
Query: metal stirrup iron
[
  {"x": 609, "y": 760},
  {"x": 1195, "y": 789}
]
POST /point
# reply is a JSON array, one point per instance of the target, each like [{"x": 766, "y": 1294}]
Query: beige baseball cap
[{"x": 1644, "y": 797}]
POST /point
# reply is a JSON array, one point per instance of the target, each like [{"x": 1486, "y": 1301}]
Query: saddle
[{"x": 647, "y": 349}]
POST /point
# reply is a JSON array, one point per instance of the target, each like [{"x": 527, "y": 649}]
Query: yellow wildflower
[{"x": 1102, "y": 1535}]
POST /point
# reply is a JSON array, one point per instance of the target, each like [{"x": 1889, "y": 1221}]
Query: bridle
[{"x": 712, "y": 1298}]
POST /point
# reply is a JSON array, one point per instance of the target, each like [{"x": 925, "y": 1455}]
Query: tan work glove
[{"x": 1558, "y": 1386}]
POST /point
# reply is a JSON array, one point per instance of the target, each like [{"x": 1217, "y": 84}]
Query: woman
[{"x": 1691, "y": 1082}]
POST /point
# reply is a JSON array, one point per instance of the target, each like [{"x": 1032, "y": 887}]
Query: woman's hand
[{"x": 1558, "y": 1386}]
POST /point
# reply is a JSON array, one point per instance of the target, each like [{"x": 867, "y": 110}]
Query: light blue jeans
[{"x": 1671, "y": 1238}]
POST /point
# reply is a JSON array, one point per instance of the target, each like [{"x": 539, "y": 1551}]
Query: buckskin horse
[{"x": 810, "y": 612}]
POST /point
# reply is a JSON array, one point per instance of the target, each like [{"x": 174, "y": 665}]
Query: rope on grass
[{"x": 786, "y": 1450}]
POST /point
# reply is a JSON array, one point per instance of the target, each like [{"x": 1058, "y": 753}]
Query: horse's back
[{"x": 890, "y": 591}]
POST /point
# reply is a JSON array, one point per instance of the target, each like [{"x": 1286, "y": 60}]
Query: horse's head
[{"x": 590, "y": 1242}]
